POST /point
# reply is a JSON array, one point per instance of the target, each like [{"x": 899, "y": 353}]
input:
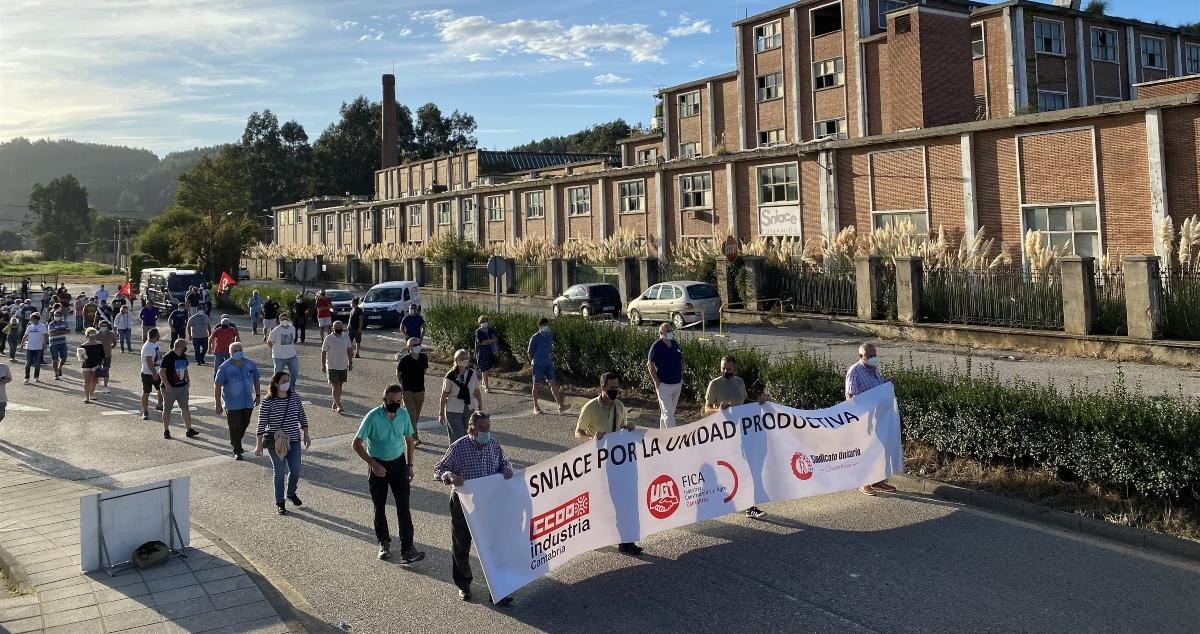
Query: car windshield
[
  {"x": 382, "y": 295},
  {"x": 182, "y": 282},
  {"x": 702, "y": 291},
  {"x": 606, "y": 290},
  {"x": 339, "y": 296}
]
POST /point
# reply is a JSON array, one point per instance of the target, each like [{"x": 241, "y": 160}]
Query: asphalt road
[{"x": 842, "y": 561}]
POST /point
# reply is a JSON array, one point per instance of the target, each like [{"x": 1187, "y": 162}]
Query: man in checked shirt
[
  {"x": 475, "y": 455},
  {"x": 862, "y": 376}
]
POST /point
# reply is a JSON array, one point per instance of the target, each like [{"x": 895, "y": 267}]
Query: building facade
[{"x": 1008, "y": 117}]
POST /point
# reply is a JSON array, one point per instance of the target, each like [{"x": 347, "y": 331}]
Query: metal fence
[
  {"x": 333, "y": 272},
  {"x": 397, "y": 271},
  {"x": 810, "y": 290},
  {"x": 476, "y": 278},
  {"x": 1181, "y": 304},
  {"x": 531, "y": 279},
  {"x": 435, "y": 273},
  {"x": 288, "y": 267},
  {"x": 1007, "y": 296},
  {"x": 1108, "y": 302},
  {"x": 589, "y": 274}
]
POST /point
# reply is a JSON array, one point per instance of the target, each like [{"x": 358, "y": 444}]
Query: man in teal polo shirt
[
  {"x": 385, "y": 442},
  {"x": 237, "y": 393}
]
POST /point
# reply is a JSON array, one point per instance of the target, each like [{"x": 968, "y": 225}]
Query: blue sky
[{"x": 174, "y": 74}]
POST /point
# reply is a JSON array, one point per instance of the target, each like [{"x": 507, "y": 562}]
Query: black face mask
[
  {"x": 337, "y": 332},
  {"x": 391, "y": 408},
  {"x": 612, "y": 394},
  {"x": 727, "y": 375}
]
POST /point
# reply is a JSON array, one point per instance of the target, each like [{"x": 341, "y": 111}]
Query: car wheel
[
  {"x": 677, "y": 319},
  {"x": 635, "y": 317},
  {"x": 556, "y": 310},
  {"x": 586, "y": 311}
]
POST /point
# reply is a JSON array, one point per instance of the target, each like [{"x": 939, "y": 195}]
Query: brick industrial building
[{"x": 1011, "y": 116}]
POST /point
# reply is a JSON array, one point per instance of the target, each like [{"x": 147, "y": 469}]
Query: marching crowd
[{"x": 387, "y": 435}]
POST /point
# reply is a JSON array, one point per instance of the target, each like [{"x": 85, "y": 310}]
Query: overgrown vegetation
[
  {"x": 598, "y": 139},
  {"x": 238, "y": 298}
]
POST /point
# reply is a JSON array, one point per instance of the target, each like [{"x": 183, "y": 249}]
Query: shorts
[
  {"x": 172, "y": 395},
  {"x": 356, "y": 336},
  {"x": 324, "y": 322},
  {"x": 338, "y": 376},
  {"x": 543, "y": 373},
  {"x": 268, "y": 324},
  {"x": 150, "y": 383},
  {"x": 58, "y": 351}
]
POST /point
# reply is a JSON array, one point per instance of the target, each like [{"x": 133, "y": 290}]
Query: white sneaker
[
  {"x": 26, "y": 381},
  {"x": 105, "y": 390}
]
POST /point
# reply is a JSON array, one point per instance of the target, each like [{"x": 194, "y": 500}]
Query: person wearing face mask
[
  {"x": 107, "y": 337},
  {"x": 665, "y": 365},
  {"x": 487, "y": 349},
  {"x": 123, "y": 322},
  {"x": 476, "y": 455},
  {"x": 236, "y": 378},
  {"x": 862, "y": 376},
  {"x": 410, "y": 371},
  {"x": 255, "y": 305},
  {"x": 35, "y": 340},
  {"x": 282, "y": 342},
  {"x": 337, "y": 359},
  {"x": 324, "y": 309},
  {"x": 178, "y": 321},
  {"x": 282, "y": 412},
  {"x": 13, "y": 332},
  {"x": 729, "y": 390},
  {"x": 176, "y": 385},
  {"x": 59, "y": 329},
  {"x": 199, "y": 329},
  {"x": 413, "y": 324},
  {"x": 606, "y": 414},
  {"x": 270, "y": 313},
  {"x": 460, "y": 396},
  {"x": 91, "y": 355},
  {"x": 384, "y": 441},
  {"x": 541, "y": 345},
  {"x": 356, "y": 323},
  {"x": 222, "y": 337}
]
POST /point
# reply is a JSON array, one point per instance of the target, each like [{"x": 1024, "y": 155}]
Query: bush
[
  {"x": 238, "y": 298},
  {"x": 1117, "y": 438},
  {"x": 139, "y": 261}
]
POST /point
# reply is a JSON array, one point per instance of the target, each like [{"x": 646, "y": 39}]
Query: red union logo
[
  {"x": 560, "y": 516},
  {"x": 662, "y": 498},
  {"x": 802, "y": 467}
]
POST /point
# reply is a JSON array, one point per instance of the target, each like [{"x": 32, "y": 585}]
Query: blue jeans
[
  {"x": 34, "y": 358},
  {"x": 78, "y": 322},
  {"x": 200, "y": 345},
  {"x": 254, "y": 321},
  {"x": 292, "y": 365},
  {"x": 218, "y": 359},
  {"x": 125, "y": 334},
  {"x": 290, "y": 463}
]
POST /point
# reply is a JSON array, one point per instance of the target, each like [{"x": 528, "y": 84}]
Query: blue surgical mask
[
  {"x": 238, "y": 354},
  {"x": 545, "y": 329},
  {"x": 873, "y": 362},
  {"x": 416, "y": 349},
  {"x": 483, "y": 437},
  {"x": 670, "y": 336}
]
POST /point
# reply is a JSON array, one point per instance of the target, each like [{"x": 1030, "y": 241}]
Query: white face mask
[
  {"x": 461, "y": 364},
  {"x": 284, "y": 386}
]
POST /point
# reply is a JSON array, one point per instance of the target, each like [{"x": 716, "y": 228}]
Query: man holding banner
[
  {"x": 605, "y": 414},
  {"x": 475, "y": 455},
  {"x": 726, "y": 391},
  {"x": 862, "y": 376}
]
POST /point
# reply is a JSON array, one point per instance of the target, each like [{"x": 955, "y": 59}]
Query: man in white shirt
[
  {"x": 337, "y": 360},
  {"x": 150, "y": 381},
  {"x": 36, "y": 339},
  {"x": 282, "y": 342},
  {"x": 102, "y": 295}
]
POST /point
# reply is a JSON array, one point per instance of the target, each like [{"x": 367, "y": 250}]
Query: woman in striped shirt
[{"x": 282, "y": 412}]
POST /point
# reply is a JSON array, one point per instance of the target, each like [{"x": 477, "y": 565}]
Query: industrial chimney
[{"x": 389, "y": 123}]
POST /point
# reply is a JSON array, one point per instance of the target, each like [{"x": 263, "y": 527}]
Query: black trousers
[
  {"x": 460, "y": 545},
  {"x": 301, "y": 326},
  {"x": 395, "y": 478},
  {"x": 239, "y": 421}
]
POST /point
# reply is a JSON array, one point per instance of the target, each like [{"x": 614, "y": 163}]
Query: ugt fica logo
[
  {"x": 662, "y": 498},
  {"x": 802, "y": 467}
]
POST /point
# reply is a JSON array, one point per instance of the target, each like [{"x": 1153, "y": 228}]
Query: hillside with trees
[{"x": 600, "y": 138}]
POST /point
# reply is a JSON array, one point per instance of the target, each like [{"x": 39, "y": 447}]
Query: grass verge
[{"x": 55, "y": 267}]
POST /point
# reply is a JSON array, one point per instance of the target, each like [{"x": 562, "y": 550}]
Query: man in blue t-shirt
[
  {"x": 178, "y": 321},
  {"x": 666, "y": 369},
  {"x": 413, "y": 324},
  {"x": 237, "y": 393},
  {"x": 541, "y": 344},
  {"x": 149, "y": 317}
]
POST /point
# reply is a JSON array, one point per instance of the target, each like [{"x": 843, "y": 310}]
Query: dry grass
[{"x": 1042, "y": 487}]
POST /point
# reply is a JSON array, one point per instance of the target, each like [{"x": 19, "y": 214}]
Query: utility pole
[{"x": 117, "y": 264}]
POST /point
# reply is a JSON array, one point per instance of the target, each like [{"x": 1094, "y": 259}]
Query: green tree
[
  {"x": 10, "y": 240},
  {"x": 346, "y": 154},
  {"x": 276, "y": 160},
  {"x": 59, "y": 217},
  {"x": 599, "y": 139}
]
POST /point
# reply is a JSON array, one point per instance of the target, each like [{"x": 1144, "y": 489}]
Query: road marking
[
  {"x": 17, "y": 407},
  {"x": 390, "y": 338}
]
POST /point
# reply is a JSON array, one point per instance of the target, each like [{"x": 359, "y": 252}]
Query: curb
[
  {"x": 18, "y": 580},
  {"x": 1127, "y": 535}
]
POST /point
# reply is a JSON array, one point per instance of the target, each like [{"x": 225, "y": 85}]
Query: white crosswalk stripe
[{"x": 17, "y": 407}]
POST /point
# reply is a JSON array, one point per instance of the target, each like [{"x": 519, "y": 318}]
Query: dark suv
[{"x": 588, "y": 300}]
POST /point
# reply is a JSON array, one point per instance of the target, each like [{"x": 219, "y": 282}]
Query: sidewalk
[{"x": 39, "y": 538}]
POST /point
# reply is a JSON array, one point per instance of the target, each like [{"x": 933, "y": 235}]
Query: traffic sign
[
  {"x": 305, "y": 270},
  {"x": 497, "y": 266},
  {"x": 731, "y": 248}
]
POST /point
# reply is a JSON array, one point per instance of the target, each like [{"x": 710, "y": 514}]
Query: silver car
[{"x": 681, "y": 303}]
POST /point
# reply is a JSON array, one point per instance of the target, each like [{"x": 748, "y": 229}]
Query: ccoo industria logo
[
  {"x": 802, "y": 467},
  {"x": 662, "y": 497},
  {"x": 549, "y": 532}
]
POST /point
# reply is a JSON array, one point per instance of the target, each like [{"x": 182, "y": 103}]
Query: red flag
[
  {"x": 126, "y": 290},
  {"x": 225, "y": 283}
]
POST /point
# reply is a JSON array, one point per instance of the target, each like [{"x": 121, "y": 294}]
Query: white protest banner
[{"x": 629, "y": 485}]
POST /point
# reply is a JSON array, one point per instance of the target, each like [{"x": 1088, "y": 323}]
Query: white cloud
[
  {"x": 404, "y": 32},
  {"x": 662, "y": 13},
  {"x": 360, "y": 61},
  {"x": 208, "y": 82},
  {"x": 610, "y": 78},
  {"x": 687, "y": 26},
  {"x": 342, "y": 25},
  {"x": 697, "y": 64},
  {"x": 478, "y": 57},
  {"x": 364, "y": 38},
  {"x": 475, "y": 34}
]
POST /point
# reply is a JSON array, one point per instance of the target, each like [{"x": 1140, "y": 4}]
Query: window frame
[
  {"x": 539, "y": 206},
  {"x": 389, "y": 218},
  {"x": 1094, "y": 45},
  {"x": 330, "y": 223},
  {"x": 760, "y": 87},
  {"x": 623, "y": 197},
  {"x": 575, "y": 208},
  {"x": 1061, "y": 39},
  {"x": 1066, "y": 101},
  {"x": 414, "y": 214},
  {"x": 1191, "y": 58},
  {"x": 687, "y": 194},
  {"x": 782, "y": 134},
  {"x": 347, "y": 221},
  {"x": 812, "y": 21},
  {"x": 1105, "y": 99},
  {"x": 442, "y": 207},
  {"x": 1072, "y": 231},
  {"x": 838, "y": 73},
  {"x": 683, "y": 100},
  {"x": 693, "y": 145},
  {"x": 495, "y": 213},
  {"x": 1162, "y": 51},
  {"x": 776, "y": 37},
  {"x": 840, "y": 133},
  {"x": 637, "y": 156},
  {"x": 789, "y": 169},
  {"x": 982, "y": 40},
  {"x": 883, "y": 13},
  {"x": 890, "y": 216}
]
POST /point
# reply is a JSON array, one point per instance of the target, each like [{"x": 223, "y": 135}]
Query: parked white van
[{"x": 385, "y": 304}]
